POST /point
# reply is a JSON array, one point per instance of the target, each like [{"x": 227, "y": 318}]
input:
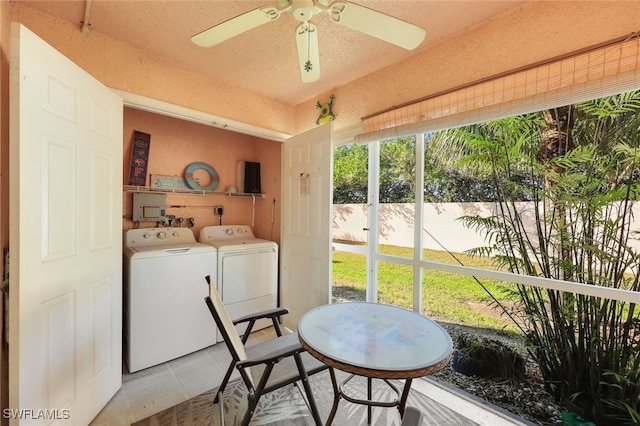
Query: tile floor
[{"x": 152, "y": 390}]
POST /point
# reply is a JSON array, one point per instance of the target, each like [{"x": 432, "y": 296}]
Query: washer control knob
[
  {"x": 146, "y": 235},
  {"x": 228, "y": 231},
  {"x": 175, "y": 234},
  {"x": 161, "y": 235}
]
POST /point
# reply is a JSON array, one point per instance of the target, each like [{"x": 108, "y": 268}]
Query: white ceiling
[{"x": 264, "y": 60}]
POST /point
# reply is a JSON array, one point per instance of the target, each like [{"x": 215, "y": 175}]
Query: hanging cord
[
  {"x": 472, "y": 276},
  {"x": 308, "y": 66},
  {"x": 253, "y": 211},
  {"x": 309, "y": 46},
  {"x": 476, "y": 280},
  {"x": 273, "y": 216}
]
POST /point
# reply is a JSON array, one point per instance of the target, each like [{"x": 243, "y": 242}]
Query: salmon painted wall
[
  {"x": 124, "y": 67},
  {"x": 537, "y": 31},
  {"x": 177, "y": 143}
]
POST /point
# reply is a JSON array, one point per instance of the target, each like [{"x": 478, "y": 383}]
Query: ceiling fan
[{"x": 350, "y": 15}]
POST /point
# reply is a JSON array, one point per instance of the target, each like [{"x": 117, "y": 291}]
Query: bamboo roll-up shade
[{"x": 597, "y": 72}]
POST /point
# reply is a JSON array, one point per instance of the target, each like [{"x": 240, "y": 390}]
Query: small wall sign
[
  {"x": 304, "y": 183},
  {"x": 168, "y": 182},
  {"x": 139, "y": 158}
]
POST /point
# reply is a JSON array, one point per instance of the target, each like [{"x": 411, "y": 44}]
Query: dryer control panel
[{"x": 226, "y": 232}]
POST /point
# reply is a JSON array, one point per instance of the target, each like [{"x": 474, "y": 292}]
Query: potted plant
[{"x": 479, "y": 356}]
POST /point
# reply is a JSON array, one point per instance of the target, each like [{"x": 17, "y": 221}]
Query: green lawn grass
[{"x": 445, "y": 297}]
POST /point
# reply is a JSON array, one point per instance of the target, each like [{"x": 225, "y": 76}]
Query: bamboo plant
[{"x": 583, "y": 162}]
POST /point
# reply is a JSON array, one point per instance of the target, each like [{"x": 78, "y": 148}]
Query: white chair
[{"x": 275, "y": 363}]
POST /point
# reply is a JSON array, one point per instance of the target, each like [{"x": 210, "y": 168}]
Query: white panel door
[
  {"x": 65, "y": 354},
  {"x": 305, "y": 271}
]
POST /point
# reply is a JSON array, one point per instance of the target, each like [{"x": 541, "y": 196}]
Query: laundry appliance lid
[
  {"x": 168, "y": 250},
  {"x": 242, "y": 244}
]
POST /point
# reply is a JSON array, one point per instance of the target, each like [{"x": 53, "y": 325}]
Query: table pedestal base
[{"x": 338, "y": 392}]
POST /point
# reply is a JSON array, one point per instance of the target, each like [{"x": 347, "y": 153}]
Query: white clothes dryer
[
  {"x": 247, "y": 271},
  {"x": 165, "y": 314}
]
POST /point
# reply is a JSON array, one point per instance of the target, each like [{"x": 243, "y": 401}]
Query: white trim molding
[{"x": 176, "y": 111}]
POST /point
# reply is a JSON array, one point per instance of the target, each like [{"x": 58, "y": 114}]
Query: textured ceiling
[{"x": 264, "y": 60}]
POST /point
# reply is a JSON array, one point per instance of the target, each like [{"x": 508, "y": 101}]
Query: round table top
[{"x": 375, "y": 340}]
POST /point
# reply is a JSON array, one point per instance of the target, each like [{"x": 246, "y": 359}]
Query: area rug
[{"x": 287, "y": 406}]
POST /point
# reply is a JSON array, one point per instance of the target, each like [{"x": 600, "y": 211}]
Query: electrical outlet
[
  {"x": 218, "y": 210},
  {"x": 169, "y": 220}
]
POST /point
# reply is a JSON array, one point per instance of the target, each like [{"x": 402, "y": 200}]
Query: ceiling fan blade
[
  {"x": 376, "y": 24},
  {"x": 238, "y": 25},
  {"x": 308, "y": 54}
]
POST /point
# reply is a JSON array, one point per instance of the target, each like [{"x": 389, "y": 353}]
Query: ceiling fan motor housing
[{"x": 303, "y": 10}]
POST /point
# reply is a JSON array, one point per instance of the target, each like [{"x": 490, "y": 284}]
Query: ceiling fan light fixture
[{"x": 303, "y": 10}]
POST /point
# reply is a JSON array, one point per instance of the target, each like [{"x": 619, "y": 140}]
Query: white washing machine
[
  {"x": 165, "y": 315},
  {"x": 247, "y": 267}
]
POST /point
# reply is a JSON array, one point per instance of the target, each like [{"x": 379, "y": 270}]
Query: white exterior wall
[{"x": 441, "y": 224}]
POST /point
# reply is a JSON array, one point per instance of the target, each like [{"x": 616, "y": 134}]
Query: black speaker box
[{"x": 248, "y": 177}]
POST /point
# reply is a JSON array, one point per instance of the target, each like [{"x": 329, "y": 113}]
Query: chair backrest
[
  {"x": 226, "y": 327},
  {"x": 225, "y": 323}
]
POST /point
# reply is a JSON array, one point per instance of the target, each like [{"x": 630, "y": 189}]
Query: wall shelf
[{"x": 133, "y": 188}]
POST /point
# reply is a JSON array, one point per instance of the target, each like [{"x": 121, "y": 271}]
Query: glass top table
[{"x": 376, "y": 341}]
